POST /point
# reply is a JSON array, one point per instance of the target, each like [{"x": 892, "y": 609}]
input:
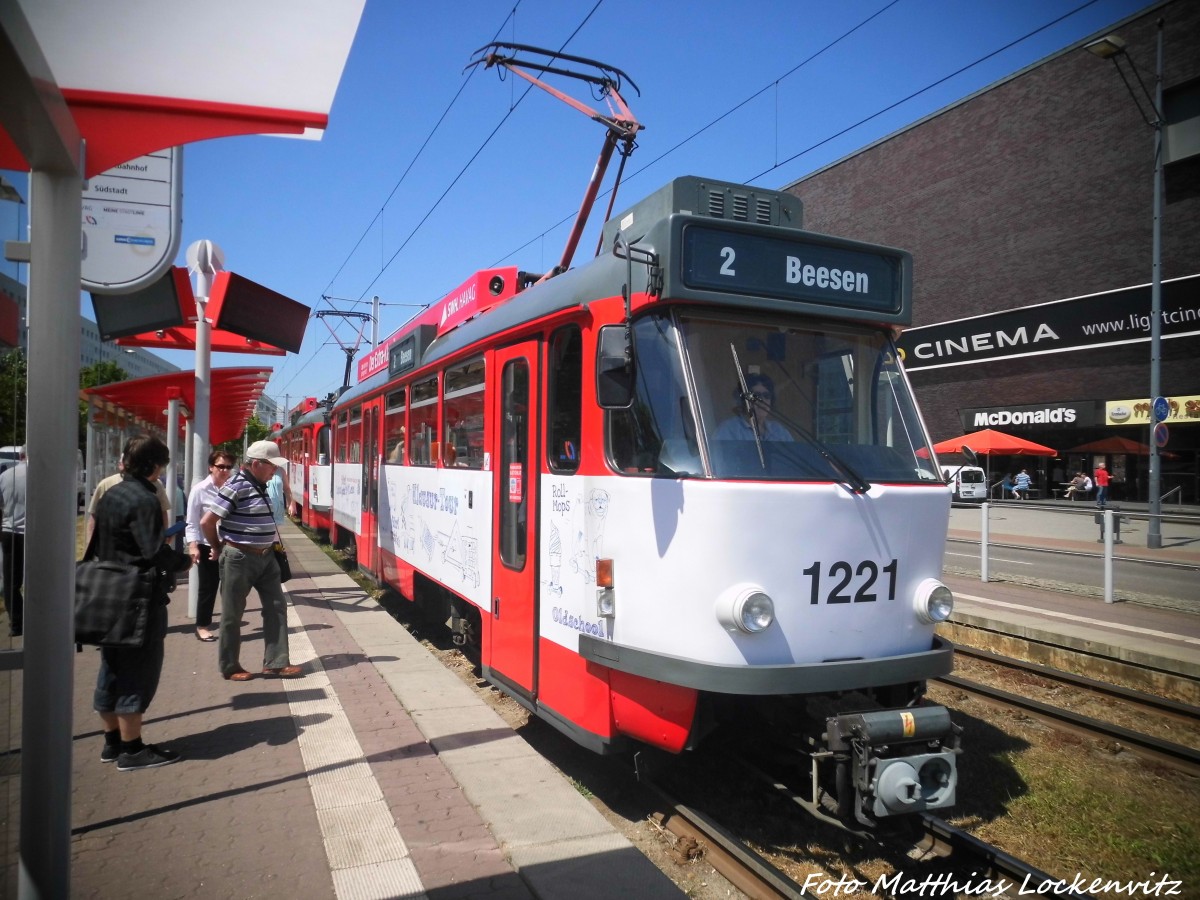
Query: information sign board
[{"x": 132, "y": 222}]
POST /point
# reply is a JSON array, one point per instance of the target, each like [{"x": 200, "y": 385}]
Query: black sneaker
[
  {"x": 149, "y": 757},
  {"x": 110, "y": 753}
]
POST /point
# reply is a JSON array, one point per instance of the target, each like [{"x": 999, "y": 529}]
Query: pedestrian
[
  {"x": 129, "y": 530},
  {"x": 1101, "y": 478},
  {"x": 220, "y": 467},
  {"x": 1006, "y": 487},
  {"x": 240, "y": 528},
  {"x": 115, "y": 479},
  {"x": 1021, "y": 485},
  {"x": 279, "y": 492},
  {"x": 1078, "y": 486},
  {"x": 12, "y": 539}
]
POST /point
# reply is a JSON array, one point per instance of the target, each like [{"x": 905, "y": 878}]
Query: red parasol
[{"x": 990, "y": 442}]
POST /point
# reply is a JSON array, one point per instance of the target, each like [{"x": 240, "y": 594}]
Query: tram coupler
[{"x": 896, "y": 761}]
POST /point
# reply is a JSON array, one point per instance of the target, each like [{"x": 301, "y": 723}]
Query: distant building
[
  {"x": 267, "y": 410},
  {"x": 1028, "y": 209},
  {"x": 138, "y": 363}
]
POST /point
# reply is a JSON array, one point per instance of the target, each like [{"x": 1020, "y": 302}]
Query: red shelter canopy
[{"x": 235, "y": 393}]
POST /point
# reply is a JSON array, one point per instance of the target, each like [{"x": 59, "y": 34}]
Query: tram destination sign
[{"x": 809, "y": 268}]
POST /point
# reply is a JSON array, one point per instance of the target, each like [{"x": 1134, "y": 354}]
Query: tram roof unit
[{"x": 713, "y": 243}]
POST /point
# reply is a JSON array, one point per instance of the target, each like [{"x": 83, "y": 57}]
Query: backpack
[{"x": 1087, "y": 483}]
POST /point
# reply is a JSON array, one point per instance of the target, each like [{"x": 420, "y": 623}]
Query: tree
[
  {"x": 255, "y": 431},
  {"x": 14, "y": 372},
  {"x": 104, "y": 372}
]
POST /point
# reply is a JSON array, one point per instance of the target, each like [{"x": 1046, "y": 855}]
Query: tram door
[
  {"x": 513, "y": 633},
  {"x": 368, "y": 544}
]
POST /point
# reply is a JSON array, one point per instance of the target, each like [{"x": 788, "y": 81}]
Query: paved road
[
  {"x": 1176, "y": 581},
  {"x": 1020, "y": 533}
]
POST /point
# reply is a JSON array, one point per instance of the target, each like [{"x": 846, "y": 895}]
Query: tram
[
  {"x": 682, "y": 481},
  {"x": 305, "y": 444}
]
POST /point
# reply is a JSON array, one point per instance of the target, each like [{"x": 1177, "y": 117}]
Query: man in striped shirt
[{"x": 241, "y": 530}]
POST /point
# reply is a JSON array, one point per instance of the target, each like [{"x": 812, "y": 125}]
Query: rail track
[
  {"x": 989, "y": 867},
  {"x": 1177, "y": 756}
]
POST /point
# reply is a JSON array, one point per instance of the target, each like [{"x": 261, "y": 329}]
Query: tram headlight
[
  {"x": 747, "y": 609},
  {"x": 933, "y": 601}
]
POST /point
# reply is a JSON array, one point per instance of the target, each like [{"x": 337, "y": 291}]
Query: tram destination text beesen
[{"x": 834, "y": 279}]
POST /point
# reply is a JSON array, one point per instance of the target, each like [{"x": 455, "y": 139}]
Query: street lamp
[{"x": 1112, "y": 47}]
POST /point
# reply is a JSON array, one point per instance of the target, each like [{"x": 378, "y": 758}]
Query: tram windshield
[{"x": 726, "y": 396}]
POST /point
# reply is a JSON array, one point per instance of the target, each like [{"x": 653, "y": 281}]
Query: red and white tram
[
  {"x": 685, "y": 479},
  {"x": 305, "y": 444}
]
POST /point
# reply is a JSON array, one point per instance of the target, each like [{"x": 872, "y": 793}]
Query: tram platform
[
  {"x": 377, "y": 775},
  {"x": 1154, "y": 647}
]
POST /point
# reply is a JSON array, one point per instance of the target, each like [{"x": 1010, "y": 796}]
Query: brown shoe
[
  {"x": 284, "y": 672},
  {"x": 238, "y": 675}
]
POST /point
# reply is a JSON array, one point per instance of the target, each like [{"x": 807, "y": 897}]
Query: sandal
[{"x": 208, "y": 639}]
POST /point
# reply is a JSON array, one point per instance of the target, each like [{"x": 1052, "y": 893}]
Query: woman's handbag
[{"x": 112, "y": 602}]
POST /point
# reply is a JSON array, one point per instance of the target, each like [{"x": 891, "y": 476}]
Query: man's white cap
[{"x": 268, "y": 450}]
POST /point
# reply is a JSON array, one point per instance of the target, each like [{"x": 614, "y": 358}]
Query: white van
[{"x": 969, "y": 482}]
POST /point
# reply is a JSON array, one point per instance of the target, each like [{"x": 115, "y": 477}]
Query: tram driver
[{"x": 739, "y": 427}]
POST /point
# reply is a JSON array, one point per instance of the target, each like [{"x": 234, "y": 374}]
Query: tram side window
[
  {"x": 343, "y": 436},
  {"x": 393, "y": 426},
  {"x": 354, "y": 453},
  {"x": 462, "y": 413},
  {"x": 566, "y": 399},
  {"x": 514, "y": 464},
  {"x": 422, "y": 423},
  {"x": 323, "y": 445},
  {"x": 657, "y": 434}
]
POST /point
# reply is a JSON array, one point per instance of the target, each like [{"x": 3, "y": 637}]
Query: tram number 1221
[{"x": 843, "y": 573}]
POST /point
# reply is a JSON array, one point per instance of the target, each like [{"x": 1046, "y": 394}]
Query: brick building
[{"x": 1028, "y": 208}]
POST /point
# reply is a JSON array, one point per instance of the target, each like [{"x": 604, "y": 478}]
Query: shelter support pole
[
  {"x": 189, "y": 438},
  {"x": 89, "y": 459},
  {"x": 201, "y": 414},
  {"x": 173, "y": 449},
  {"x": 53, "y": 435},
  {"x": 189, "y": 469}
]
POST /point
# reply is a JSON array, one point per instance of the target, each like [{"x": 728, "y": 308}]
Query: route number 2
[
  {"x": 728, "y": 255},
  {"x": 842, "y": 574}
]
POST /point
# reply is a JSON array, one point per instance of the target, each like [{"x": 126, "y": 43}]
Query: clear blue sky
[{"x": 759, "y": 91}]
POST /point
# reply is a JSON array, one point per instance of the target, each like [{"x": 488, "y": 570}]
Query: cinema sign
[{"x": 1108, "y": 319}]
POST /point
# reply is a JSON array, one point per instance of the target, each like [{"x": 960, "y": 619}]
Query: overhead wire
[
  {"x": 404, "y": 175},
  {"x": 774, "y": 82},
  {"x": 547, "y": 230},
  {"x": 927, "y": 87}
]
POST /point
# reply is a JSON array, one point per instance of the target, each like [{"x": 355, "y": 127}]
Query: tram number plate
[{"x": 846, "y": 582}]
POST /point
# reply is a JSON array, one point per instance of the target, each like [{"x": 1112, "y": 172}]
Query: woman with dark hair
[
  {"x": 129, "y": 530},
  {"x": 221, "y": 465}
]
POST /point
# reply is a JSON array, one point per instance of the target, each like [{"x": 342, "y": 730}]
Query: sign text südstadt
[{"x": 132, "y": 217}]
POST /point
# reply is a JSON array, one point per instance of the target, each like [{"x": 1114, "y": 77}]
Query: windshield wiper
[
  {"x": 748, "y": 400},
  {"x": 851, "y": 478}
]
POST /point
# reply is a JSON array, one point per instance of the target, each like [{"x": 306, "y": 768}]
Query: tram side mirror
[
  {"x": 971, "y": 456},
  {"x": 614, "y": 369}
]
